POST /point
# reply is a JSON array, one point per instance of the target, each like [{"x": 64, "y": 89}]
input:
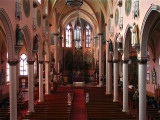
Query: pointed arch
[
  {"x": 9, "y": 34},
  {"x": 152, "y": 15},
  {"x": 127, "y": 38},
  {"x": 28, "y": 42}
]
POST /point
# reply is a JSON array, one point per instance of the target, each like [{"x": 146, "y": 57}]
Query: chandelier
[{"x": 74, "y": 3}]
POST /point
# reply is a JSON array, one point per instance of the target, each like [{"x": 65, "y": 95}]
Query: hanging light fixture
[
  {"x": 74, "y": 3},
  {"x": 77, "y": 34}
]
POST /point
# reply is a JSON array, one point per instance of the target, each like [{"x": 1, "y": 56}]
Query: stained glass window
[
  {"x": 77, "y": 37},
  {"x": 7, "y": 70},
  {"x": 68, "y": 36},
  {"x": 88, "y": 36},
  {"x": 23, "y": 65}
]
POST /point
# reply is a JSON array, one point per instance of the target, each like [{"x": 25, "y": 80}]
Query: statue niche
[
  {"x": 35, "y": 43},
  {"x": 19, "y": 36}
]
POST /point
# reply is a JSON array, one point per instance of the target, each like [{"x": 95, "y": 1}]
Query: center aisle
[{"x": 78, "y": 111}]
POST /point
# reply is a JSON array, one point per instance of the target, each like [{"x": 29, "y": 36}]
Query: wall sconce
[{"x": 110, "y": 47}]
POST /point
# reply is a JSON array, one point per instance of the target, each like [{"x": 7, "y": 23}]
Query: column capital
[
  {"x": 100, "y": 33},
  {"x": 30, "y": 62},
  {"x": 12, "y": 63},
  {"x": 142, "y": 61},
  {"x": 46, "y": 61},
  {"x": 56, "y": 34},
  {"x": 110, "y": 61},
  {"x": 41, "y": 62},
  {"x": 115, "y": 61},
  {"x": 95, "y": 37},
  {"x": 125, "y": 61}
]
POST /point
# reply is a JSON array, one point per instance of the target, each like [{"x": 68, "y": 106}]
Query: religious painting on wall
[
  {"x": 116, "y": 17},
  {"x": 26, "y": 7},
  {"x": 128, "y": 5},
  {"x": 39, "y": 18}
]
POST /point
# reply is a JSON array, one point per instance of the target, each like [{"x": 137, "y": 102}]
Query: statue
[
  {"x": 35, "y": 43},
  {"x": 19, "y": 36},
  {"x": 119, "y": 41},
  {"x": 134, "y": 31},
  {"x": 135, "y": 12}
]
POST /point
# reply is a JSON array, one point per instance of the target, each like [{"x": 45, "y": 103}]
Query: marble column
[
  {"x": 115, "y": 97},
  {"x": 46, "y": 78},
  {"x": 125, "y": 86},
  {"x": 40, "y": 81},
  {"x": 96, "y": 47},
  {"x": 107, "y": 75},
  {"x": 142, "y": 88},
  {"x": 13, "y": 90},
  {"x": 109, "y": 86},
  {"x": 56, "y": 49},
  {"x": 31, "y": 86},
  {"x": 100, "y": 59}
]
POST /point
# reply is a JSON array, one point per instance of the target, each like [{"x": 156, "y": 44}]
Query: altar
[{"x": 78, "y": 79}]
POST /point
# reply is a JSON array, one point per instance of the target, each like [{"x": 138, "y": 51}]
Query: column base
[
  {"x": 29, "y": 112},
  {"x": 125, "y": 110},
  {"x": 108, "y": 93},
  {"x": 40, "y": 100},
  {"x": 115, "y": 100}
]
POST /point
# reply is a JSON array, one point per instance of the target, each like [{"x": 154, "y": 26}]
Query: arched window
[
  {"x": 35, "y": 65},
  {"x": 68, "y": 36},
  {"x": 7, "y": 69},
  {"x": 88, "y": 36},
  {"x": 148, "y": 67},
  {"x": 23, "y": 65},
  {"x": 77, "y": 37}
]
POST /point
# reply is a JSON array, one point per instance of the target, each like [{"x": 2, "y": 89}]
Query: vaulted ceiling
[{"x": 91, "y": 11}]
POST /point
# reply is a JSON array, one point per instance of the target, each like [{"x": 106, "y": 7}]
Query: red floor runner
[{"x": 78, "y": 111}]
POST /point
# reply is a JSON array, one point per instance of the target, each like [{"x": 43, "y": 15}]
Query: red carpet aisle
[{"x": 78, "y": 111}]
